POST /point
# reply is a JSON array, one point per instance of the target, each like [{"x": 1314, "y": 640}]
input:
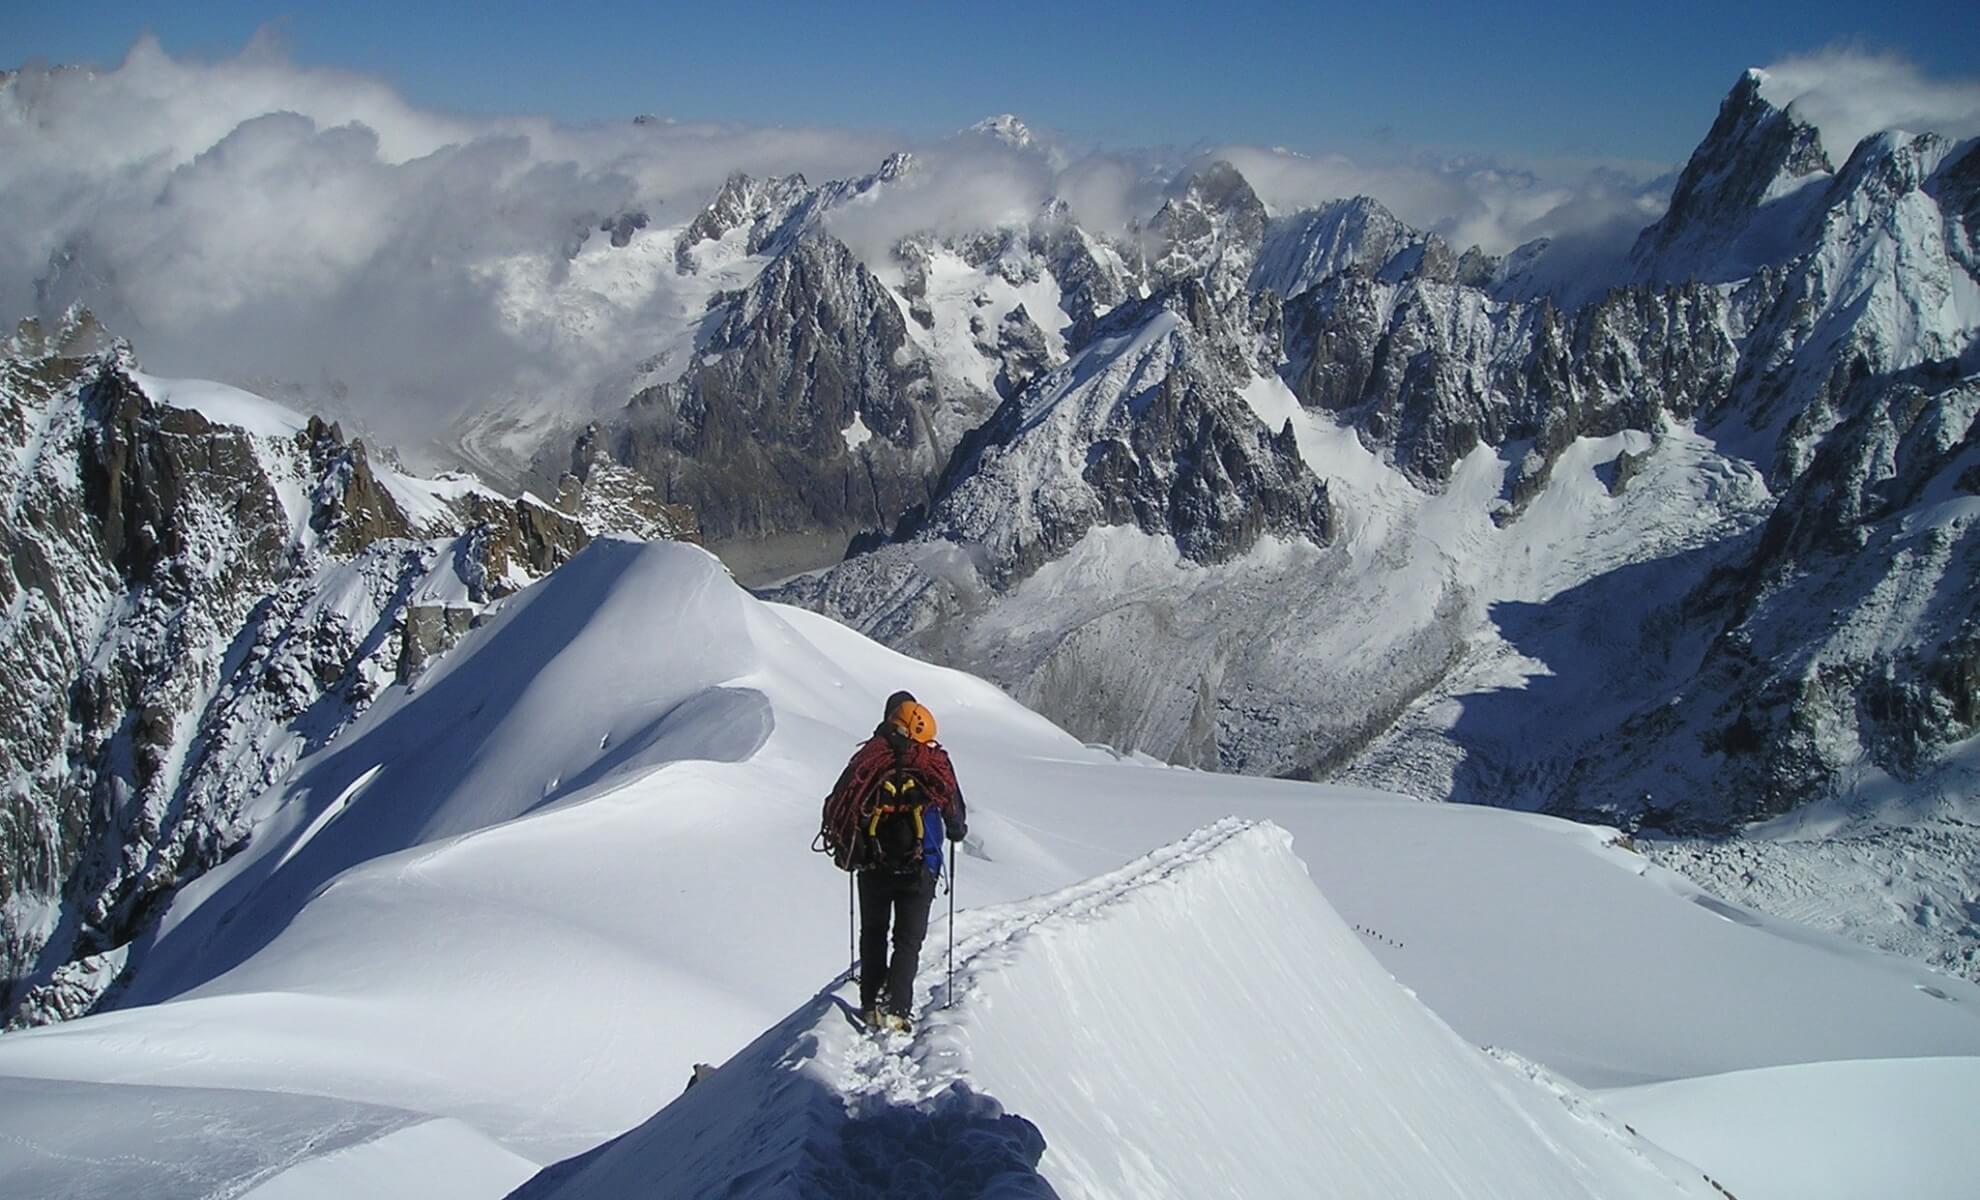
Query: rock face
[
  {"x": 1426, "y": 369},
  {"x": 1306, "y": 248},
  {"x": 808, "y": 412},
  {"x": 1741, "y": 201},
  {"x": 607, "y": 497},
  {"x": 1167, "y": 446},
  {"x": 194, "y": 606},
  {"x": 767, "y": 209},
  {"x": 1212, "y": 231}
]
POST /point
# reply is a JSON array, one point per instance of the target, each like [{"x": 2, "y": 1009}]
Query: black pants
[{"x": 903, "y": 899}]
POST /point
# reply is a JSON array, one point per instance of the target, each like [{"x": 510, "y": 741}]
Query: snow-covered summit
[
  {"x": 1742, "y": 199},
  {"x": 1303, "y": 249},
  {"x": 1210, "y": 228},
  {"x": 1152, "y": 415},
  {"x": 1005, "y": 128}
]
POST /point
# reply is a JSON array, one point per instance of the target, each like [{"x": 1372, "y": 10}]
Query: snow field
[
  {"x": 525, "y": 894},
  {"x": 1899, "y": 1127}
]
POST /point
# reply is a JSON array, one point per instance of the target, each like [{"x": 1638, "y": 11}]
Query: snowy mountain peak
[
  {"x": 1304, "y": 248},
  {"x": 763, "y": 207},
  {"x": 78, "y": 334},
  {"x": 1005, "y": 128},
  {"x": 1741, "y": 198},
  {"x": 1210, "y": 228},
  {"x": 1217, "y": 186}
]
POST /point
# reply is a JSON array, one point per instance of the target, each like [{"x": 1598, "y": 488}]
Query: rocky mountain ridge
[
  {"x": 1852, "y": 336},
  {"x": 201, "y": 588}
]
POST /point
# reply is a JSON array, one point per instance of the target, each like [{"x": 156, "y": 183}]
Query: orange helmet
[{"x": 914, "y": 720}]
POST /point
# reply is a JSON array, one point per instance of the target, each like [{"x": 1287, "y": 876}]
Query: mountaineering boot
[
  {"x": 897, "y": 1023},
  {"x": 873, "y": 1018}
]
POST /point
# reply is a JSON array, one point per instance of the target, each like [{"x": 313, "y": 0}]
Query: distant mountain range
[{"x": 1312, "y": 494}]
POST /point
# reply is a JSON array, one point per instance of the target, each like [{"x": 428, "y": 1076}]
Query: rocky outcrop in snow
[{"x": 193, "y": 604}]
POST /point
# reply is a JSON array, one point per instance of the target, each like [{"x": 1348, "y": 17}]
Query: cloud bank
[
  {"x": 269, "y": 224},
  {"x": 282, "y": 227}
]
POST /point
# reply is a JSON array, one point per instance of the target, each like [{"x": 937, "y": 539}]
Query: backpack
[
  {"x": 894, "y": 823},
  {"x": 876, "y": 817}
]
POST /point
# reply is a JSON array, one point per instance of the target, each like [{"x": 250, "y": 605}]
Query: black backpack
[{"x": 894, "y": 822}]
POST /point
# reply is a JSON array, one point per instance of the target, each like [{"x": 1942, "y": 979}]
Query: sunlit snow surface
[
  {"x": 494, "y": 924},
  {"x": 1198, "y": 1023}
]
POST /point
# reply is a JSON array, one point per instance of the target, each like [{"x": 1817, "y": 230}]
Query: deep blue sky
[{"x": 1520, "y": 77}]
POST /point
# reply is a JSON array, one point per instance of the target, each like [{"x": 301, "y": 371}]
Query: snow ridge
[{"x": 1071, "y": 1008}]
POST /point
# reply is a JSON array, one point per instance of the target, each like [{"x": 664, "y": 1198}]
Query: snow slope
[
  {"x": 1895, "y": 1128},
  {"x": 519, "y": 898},
  {"x": 1205, "y": 996}
]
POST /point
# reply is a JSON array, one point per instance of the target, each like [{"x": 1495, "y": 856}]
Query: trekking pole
[
  {"x": 955, "y": 861},
  {"x": 852, "y": 955}
]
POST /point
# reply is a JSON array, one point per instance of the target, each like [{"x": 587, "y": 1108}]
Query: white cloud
[
  {"x": 1492, "y": 205},
  {"x": 968, "y": 184},
  {"x": 1849, "y": 94},
  {"x": 254, "y": 220}
]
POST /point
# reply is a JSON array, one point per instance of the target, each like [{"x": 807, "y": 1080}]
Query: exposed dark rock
[
  {"x": 1022, "y": 350},
  {"x": 1735, "y": 206},
  {"x": 623, "y": 226},
  {"x": 351, "y": 509},
  {"x": 764, "y": 207},
  {"x": 429, "y": 630},
  {"x": 1446, "y": 368},
  {"x": 808, "y": 411},
  {"x": 1182, "y": 456},
  {"x": 180, "y": 638},
  {"x": 607, "y": 497},
  {"x": 1210, "y": 231}
]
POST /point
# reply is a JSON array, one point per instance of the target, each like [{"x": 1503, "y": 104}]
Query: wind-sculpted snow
[
  {"x": 527, "y": 715},
  {"x": 180, "y": 1143},
  {"x": 1199, "y": 1022}
]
